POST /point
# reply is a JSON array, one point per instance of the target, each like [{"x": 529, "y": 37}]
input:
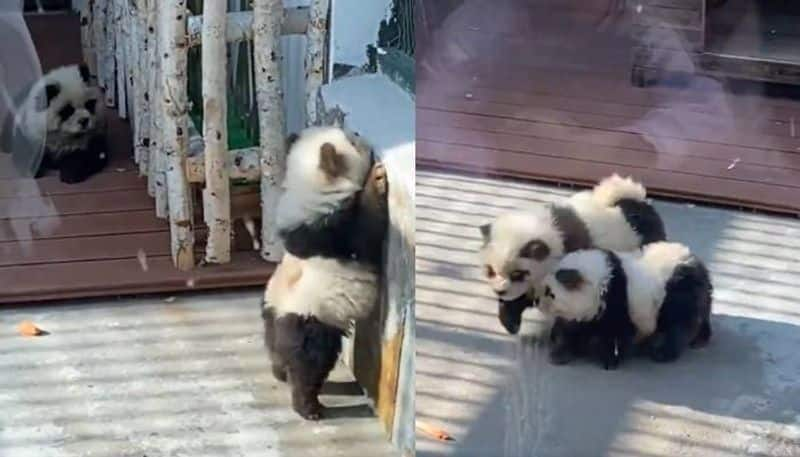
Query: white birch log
[
  {"x": 129, "y": 11},
  {"x": 151, "y": 96},
  {"x": 141, "y": 88},
  {"x": 109, "y": 66},
  {"x": 240, "y": 25},
  {"x": 87, "y": 36},
  {"x": 174, "y": 102},
  {"x": 216, "y": 193},
  {"x": 120, "y": 56},
  {"x": 99, "y": 39},
  {"x": 315, "y": 56},
  {"x": 157, "y": 176},
  {"x": 267, "y": 17}
]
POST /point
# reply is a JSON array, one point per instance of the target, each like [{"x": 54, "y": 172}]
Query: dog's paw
[
  {"x": 310, "y": 412},
  {"x": 280, "y": 373},
  {"x": 377, "y": 179},
  {"x": 560, "y": 355},
  {"x": 611, "y": 360}
]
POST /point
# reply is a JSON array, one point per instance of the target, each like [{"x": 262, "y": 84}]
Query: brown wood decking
[
  {"x": 541, "y": 90},
  {"x": 100, "y": 237}
]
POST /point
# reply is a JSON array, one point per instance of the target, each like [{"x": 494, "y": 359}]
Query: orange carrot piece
[
  {"x": 28, "y": 328},
  {"x": 436, "y": 433}
]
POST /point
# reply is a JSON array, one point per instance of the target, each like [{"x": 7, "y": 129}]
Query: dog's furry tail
[{"x": 610, "y": 190}]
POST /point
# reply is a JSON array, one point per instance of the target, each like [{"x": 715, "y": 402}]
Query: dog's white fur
[
  {"x": 309, "y": 192},
  {"x": 39, "y": 124},
  {"x": 647, "y": 272},
  {"x": 615, "y": 188},
  {"x": 331, "y": 290},
  {"x": 605, "y": 222}
]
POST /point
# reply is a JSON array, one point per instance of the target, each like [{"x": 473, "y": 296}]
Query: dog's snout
[{"x": 501, "y": 289}]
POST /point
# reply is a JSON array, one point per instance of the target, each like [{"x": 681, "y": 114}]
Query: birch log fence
[{"x": 137, "y": 51}]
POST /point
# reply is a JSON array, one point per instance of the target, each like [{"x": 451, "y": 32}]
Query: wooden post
[
  {"x": 99, "y": 39},
  {"x": 157, "y": 183},
  {"x": 141, "y": 87},
  {"x": 120, "y": 57},
  {"x": 267, "y": 17},
  {"x": 131, "y": 46},
  {"x": 315, "y": 56},
  {"x": 151, "y": 78},
  {"x": 109, "y": 66},
  {"x": 87, "y": 35},
  {"x": 174, "y": 101},
  {"x": 216, "y": 193}
]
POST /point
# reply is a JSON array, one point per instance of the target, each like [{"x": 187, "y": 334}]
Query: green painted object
[{"x": 242, "y": 114}]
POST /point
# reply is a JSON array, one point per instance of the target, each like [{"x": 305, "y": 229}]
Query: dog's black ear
[
  {"x": 486, "y": 232},
  {"x": 291, "y": 140},
  {"x": 536, "y": 249},
  {"x": 570, "y": 278},
  {"x": 84, "y": 71},
  {"x": 52, "y": 91}
]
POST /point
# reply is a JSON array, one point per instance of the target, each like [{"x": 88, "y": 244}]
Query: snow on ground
[{"x": 498, "y": 395}]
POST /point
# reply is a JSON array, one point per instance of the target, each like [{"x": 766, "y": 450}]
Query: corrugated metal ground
[
  {"x": 498, "y": 395},
  {"x": 143, "y": 377}
]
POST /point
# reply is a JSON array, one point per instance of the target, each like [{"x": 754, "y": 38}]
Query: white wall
[{"x": 355, "y": 25}]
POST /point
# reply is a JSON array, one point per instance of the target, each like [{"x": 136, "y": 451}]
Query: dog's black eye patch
[
  {"x": 65, "y": 112},
  {"x": 91, "y": 105},
  {"x": 52, "y": 91},
  {"x": 518, "y": 275}
]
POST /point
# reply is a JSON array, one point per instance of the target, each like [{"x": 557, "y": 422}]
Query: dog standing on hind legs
[{"x": 333, "y": 220}]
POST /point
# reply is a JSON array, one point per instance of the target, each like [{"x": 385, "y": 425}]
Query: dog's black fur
[
  {"x": 303, "y": 351},
  {"x": 644, "y": 220},
  {"x": 353, "y": 232},
  {"x": 78, "y": 166},
  {"x": 573, "y": 230},
  {"x": 510, "y": 312},
  {"x": 616, "y": 331},
  {"x": 684, "y": 317}
]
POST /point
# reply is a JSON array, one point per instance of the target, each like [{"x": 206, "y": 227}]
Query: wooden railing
[{"x": 137, "y": 49}]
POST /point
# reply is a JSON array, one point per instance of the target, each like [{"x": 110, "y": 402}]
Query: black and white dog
[
  {"x": 520, "y": 248},
  {"x": 333, "y": 219},
  {"x": 660, "y": 296},
  {"x": 58, "y": 123}
]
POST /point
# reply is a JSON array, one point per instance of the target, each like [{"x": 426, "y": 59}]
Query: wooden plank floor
[
  {"x": 100, "y": 237},
  {"x": 541, "y": 91}
]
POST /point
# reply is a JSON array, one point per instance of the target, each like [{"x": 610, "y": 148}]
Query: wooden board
[
  {"x": 125, "y": 276},
  {"x": 100, "y": 237},
  {"x": 574, "y": 117}
]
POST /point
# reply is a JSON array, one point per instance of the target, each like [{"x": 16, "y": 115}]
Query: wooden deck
[
  {"x": 100, "y": 237},
  {"x": 541, "y": 90}
]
